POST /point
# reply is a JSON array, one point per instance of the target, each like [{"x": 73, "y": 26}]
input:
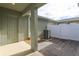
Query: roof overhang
[{"x": 19, "y": 8}]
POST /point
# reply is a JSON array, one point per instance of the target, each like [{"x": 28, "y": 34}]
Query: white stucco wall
[{"x": 65, "y": 31}]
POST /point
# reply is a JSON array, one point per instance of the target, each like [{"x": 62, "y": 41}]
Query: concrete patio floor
[
  {"x": 59, "y": 47},
  {"x": 17, "y": 49}
]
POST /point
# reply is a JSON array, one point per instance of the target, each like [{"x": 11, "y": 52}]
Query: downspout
[{"x": 28, "y": 27}]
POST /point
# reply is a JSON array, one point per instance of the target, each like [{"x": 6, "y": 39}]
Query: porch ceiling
[
  {"x": 17, "y": 6},
  {"x": 21, "y": 7}
]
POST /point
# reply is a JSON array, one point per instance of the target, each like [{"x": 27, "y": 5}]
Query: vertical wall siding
[
  {"x": 8, "y": 29},
  {"x": 12, "y": 29},
  {"x": 41, "y": 25},
  {"x": 0, "y": 30},
  {"x": 4, "y": 30},
  {"x": 23, "y": 28}
]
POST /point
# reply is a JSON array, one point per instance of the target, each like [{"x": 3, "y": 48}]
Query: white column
[{"x": 34, "y": 32}]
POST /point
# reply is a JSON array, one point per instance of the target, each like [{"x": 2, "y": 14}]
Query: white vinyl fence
[{"x": 65, "y": 31}]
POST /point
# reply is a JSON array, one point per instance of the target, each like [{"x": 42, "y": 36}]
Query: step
[{"x": 37, "y": 53}]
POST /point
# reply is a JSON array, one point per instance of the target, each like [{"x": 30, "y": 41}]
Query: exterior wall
[
  {"x": 12, "y": 29},
  {"x": 41, "y": 25},
  {"x": 23, "y": 28},
  {"x": 8, "y": 29},
  {"x": 65, "y": 31}
]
